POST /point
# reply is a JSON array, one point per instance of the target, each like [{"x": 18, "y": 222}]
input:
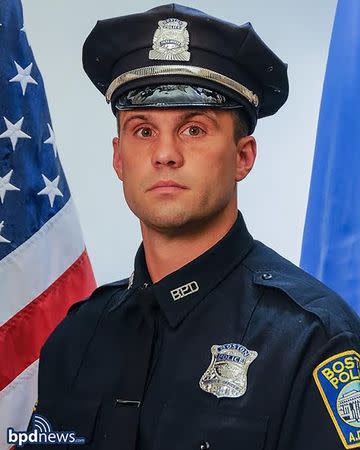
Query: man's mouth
[{"x": 167, "y": 186}]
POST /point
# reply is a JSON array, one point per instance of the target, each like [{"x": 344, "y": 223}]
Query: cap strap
[{"x": 192, "y": 71}]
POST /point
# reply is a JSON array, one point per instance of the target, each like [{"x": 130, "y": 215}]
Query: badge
[
  {"x": 338, "y": 380},
  {"x": 226, "y": 375},
  {"x": 171, "y": 41}
]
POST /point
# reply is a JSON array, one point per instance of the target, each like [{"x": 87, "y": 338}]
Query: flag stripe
[
  {"x": 44, "y": 266},
  {"x": 18, "y": 342},
  {"x": 17, "y": 397},
  {"x": 49, "y": 252}
]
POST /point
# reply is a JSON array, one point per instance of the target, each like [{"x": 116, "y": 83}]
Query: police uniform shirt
[{"x": 238, "y": 333}]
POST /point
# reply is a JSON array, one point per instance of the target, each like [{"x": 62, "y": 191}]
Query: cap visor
[{"x": 173, "y": 95}]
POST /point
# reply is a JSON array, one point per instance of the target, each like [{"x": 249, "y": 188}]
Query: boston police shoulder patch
[{"x": 338, "y": 380}]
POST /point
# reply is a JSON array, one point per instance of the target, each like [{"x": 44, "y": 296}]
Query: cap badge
[
  {"x": 226, "y": 374},
  {"x": 171, "y": 41}
]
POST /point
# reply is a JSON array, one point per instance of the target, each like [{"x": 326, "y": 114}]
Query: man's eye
[
  {"x": 194, "y": 131},
  {"x": 144, "y": 132}
]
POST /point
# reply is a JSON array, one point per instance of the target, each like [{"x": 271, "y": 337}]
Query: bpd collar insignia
[
  {"x": 183, "y": 291},
  {"x": 226, "y": 375},
  {"x": 338, "y": 380},
  {"x": 171, "y": 41}
]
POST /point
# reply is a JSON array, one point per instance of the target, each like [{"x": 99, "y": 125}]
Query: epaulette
[
  {"x": 271, "y": 270},
  {"x": 108, "y": 286}
]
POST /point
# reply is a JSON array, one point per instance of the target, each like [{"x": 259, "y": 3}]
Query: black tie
[{"x": 136, "y": 354}]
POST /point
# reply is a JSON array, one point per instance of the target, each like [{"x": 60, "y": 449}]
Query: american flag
[{"x": 44, "y": 266}]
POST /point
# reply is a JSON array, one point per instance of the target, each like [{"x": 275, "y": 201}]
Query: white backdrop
[{"x": 273, "y": 198}]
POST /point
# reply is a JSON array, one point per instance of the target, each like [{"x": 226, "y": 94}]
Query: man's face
[{"x": 179, "y": 167}]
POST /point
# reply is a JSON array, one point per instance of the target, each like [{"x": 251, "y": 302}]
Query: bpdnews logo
[{"x": 42, "y": 433}]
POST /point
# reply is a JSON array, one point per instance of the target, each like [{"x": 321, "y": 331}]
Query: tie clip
[{"x": 130, "y": 403}]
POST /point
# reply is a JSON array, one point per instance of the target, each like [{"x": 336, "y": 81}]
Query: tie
[{"x": 136, "y": 354}]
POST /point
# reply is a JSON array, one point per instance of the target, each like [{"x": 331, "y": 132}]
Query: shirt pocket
[{"x": 188, "y": 426}]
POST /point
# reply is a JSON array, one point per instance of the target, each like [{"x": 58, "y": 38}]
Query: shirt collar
[{"x": 180, "y": 291}]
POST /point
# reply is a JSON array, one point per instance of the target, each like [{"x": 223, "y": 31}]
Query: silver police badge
[
  {"x": 171, "y": 41},
  {"x": 226, "y": 375}
]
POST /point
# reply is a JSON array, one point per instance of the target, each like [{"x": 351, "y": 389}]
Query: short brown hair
[{"x": 241, "y": 128}]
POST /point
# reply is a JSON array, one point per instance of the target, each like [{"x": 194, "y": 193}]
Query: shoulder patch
[{"x": 338, "y": 380}]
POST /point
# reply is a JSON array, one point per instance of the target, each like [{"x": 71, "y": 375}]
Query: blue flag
[{"x": 331, "y": 242}]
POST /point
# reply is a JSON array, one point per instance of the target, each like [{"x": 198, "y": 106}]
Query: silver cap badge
[
  {"x": 226, "y": 375},
  {"x": 171, "y": 41}
]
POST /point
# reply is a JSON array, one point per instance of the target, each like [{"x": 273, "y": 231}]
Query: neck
[{"x": 167, "y": 252}]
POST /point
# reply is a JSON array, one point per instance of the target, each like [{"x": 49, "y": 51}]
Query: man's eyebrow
[
  {"x": 135, "y": 116},
  {"x": 209, "y": 114}
]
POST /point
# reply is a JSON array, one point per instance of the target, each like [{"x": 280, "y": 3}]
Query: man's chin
[
  {"x": 167, "y": 222},
  {"x": 170, "y": 221}
]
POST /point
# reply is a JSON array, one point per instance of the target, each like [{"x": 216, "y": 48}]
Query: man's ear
[
  {"x": 245, "y": 156},
  {"x": 117, "y": 159}
]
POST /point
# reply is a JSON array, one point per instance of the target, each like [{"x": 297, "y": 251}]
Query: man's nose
[{"x": 167, "y": 152}]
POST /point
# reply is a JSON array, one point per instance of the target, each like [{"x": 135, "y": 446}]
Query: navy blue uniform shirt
[{"x": 239, "y": 349}]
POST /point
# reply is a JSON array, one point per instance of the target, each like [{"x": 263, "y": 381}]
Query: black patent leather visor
[{"x": 173, "y": 95}]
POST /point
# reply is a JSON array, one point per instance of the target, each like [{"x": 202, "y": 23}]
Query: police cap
[{"x": 176, "y": 56}]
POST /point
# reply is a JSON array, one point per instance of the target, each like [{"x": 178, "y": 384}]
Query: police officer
[{"x": 215, "y": 341}]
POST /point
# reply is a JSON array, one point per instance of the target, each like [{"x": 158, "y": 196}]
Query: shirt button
[
  {"x": 266, "y": 276},
  {"x": 204, "y": 445}
]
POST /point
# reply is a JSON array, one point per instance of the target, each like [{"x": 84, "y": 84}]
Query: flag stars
[
  {"x": 51, "y": 140},
  {"x": 5, "y": 185},
  {"x": 14, "y": 132},
  {"x": 2, "y": 239},
  {"x": 23, "y": 76},
  {"x": 51, "y": 189}
]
